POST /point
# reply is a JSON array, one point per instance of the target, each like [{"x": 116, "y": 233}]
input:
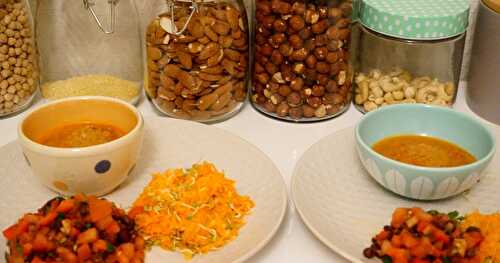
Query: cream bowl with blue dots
[
  {"x": 94, "y": 170},
  {"x": 416, "y": 182}
]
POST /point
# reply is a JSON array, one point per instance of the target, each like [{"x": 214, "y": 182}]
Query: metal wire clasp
[
  {"x": 171, "y": 7},
  {"x": 112, "y": 5}
]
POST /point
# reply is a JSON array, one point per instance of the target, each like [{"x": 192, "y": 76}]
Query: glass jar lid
[{"x": 416, "y": 19}]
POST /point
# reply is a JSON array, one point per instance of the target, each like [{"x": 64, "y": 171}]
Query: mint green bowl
[{"x": 418, "y": 182}]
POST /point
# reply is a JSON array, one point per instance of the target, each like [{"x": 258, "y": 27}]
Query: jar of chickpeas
[{"x": 18, "y": 57}]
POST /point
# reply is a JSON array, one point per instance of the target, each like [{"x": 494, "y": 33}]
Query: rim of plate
[
  {"x": 262, "y": 244},
  {"x": 293, "y": 185}
]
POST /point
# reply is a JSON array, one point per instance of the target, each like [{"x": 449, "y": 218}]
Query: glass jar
[
  {"x": 90, "y": 47},
  {"x": 197, "y": 58},
  {"x": 404, "y": 55},
  {"x": 301, "y": 71},
  {"x": 18, "y": 57}
]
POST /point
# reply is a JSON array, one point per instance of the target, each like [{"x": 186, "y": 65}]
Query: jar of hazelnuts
[
  {"x": 18, "y": 57},
  {"x": 301, "y": 63},
  {"x": 197, "y": 58}
]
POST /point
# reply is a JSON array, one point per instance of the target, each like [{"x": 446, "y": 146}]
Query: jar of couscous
[{"x": 90, "y": 47}]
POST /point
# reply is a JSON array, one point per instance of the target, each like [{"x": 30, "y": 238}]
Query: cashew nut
[{"x": 370, "y": 106}]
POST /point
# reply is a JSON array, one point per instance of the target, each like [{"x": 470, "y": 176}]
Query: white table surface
[{"x": 284, "y": 143}]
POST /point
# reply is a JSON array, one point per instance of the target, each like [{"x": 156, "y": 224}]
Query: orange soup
[
  {"x": 423, "y": 151},
  {"x": 81, "y": 135}
]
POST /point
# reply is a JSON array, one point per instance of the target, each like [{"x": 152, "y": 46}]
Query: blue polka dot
[{"x": 102, "y": 166}]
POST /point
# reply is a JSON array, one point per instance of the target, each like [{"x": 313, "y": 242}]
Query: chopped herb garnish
[
  {"x": 433, "y": 212},
  {"x": 386, "y": 259},
  {"x": 453, "y": 215},
  {"x": 19, "y": 248},
  {"x": 88, "y": 225},
  {"x": 446, "y": 260},
  {"x": 110, "y": 248},
  {"x": 60, "y": 217}
]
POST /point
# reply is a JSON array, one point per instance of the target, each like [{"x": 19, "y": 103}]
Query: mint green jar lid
[{"x": 415, "y": 19}]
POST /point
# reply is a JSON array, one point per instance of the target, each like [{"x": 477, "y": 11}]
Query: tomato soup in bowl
[{"x": 83, "y": 144}]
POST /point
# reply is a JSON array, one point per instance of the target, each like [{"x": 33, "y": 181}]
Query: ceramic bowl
[
  {"x": 95, "y": 170},
  {"x": 418, "y": 182}
]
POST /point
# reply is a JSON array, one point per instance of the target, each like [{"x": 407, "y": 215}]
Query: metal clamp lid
[
  {"x": 88, "y": 4},
  {"x": 169, "y": 24}
]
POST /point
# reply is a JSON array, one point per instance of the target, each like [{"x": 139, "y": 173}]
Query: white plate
[
  {"x": 170, "y": 143},
  {"x": 344, "y": 207}
]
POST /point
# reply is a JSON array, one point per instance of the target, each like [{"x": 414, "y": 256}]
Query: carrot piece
[
  {"x": 89, "y": 236},
  {"x": 104, "y": 223},
  {"x": 67, "y": 255},
  {"x": 48, "y": 219},
  {"x": 408, "y": 239},
  {"x": 399, "y": 255},
  {"x": 83, "y": 252},
  {"x": 37, "y": 260},
  {"x": 399, "y": 217},
  {"x": 396, "y": 241},
  {"x": 99, "y": 209},
  {"x": 127, "y": 249},
  {"x": 65, "y": 206},
  {"x": 122, "y": 258},
  {"x": 113, "y": 228},
  {"x": 99, "y": 246}
]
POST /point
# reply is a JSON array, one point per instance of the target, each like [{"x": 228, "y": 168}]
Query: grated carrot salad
[
  {"x": 489, "y": 250},
  {"x": 192, "y": 211}
]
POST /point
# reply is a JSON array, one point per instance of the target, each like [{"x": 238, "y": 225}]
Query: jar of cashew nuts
[
  {"x": 301, "y": 63},
  {"x": 197, "y": 58},
  {"x": 18, "y": 57},
  {"x": 404, "y": 55}
]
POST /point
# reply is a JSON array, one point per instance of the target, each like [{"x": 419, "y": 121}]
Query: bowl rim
[
  {"x": 476, "y": 121},
  {"x": 80, "y": 151}
]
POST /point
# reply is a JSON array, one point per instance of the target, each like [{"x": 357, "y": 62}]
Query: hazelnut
[
  {"x": 294, "y": 99},
  {"x": 279, "y": 25},
  {"x": 259, "y": 68},
  {"x": 276, "y": 57},
  {"x": 334, "y": 13},
  {"x": 332, "y": 57},
  {"x": 277, "y": 39},
  {"x": 318, "y": 90},
  {"x": 314, "y": 102},
  {"x": 346, "y": 8},
  {"x": 310, "y": 44},
  {"x": 282, "y": 109},
  {"x": 320, "y": 53},
  {"x": 284, "y": 90},
  {"x": 300, "y": 54},
  {"x": 320, "y": 27},
  {"x": 280, "y": 7},
  {"x": 308, "y": 111},
  {"x": 296, "y": 23},
  {"x": 295, "y": 113},
  {"x": 332, "y": 86},
  {"x": 343, "y": 22},
  {"x": 320, "y": 111},
  {"x": 311, "y": 61},
  {"x": 310, "y": 75},
  {"x": 276, "y": 99},
  {"x": 267, "y": 22},
  {"x": 335, "y": 68},
  {"x": 333, "y": 33},
  {"x": 323, "y": 79},
  {"x": 285, "y": 49},
  {"x": 322, "y": 40},
  {"x": 269, "y": 106},
  {"x": 305, "y": 33},
  {"x": 295, "y": 41},
  {"x": 323, "y": 67},
  {"x": 266, "y": 50},
  {"x": 262, "y": 78},
  {"x": 286, "y": 72},
  {"x": 271, "y": 68},
  {"x": 297, "y": 84},
  {"x": 299, "y": 8},
  {"x": 263, "y": 7}
]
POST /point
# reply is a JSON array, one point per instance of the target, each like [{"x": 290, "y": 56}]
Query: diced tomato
[
  {"x": 83, "y": 252},
  {"x": 67, "y": 255},
  {"x": 48, "y": 219},
  {"x": 65, "y": 206},
  {"x": 473, "y": 239},
  {"x": 103, "y": 223},
  {"x": 399, "y": 217},
  {"x": 122, "y": 258},
  {"x": 440, "y": 235},
  {"x": 41, "y": 243},
  {"x": 27, "y": 248},
  {"x": 423, "y": 249},
  {"x": 11, "y": 232},
  {"x": 422, "y": 225},
  {"x": 127, "y": 249},
  {"x": 399, "y": 255},
  {"x": 113, "y": 228},
  {"x": 99, "y": 209}
]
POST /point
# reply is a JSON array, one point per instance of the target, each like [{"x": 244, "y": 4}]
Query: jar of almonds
[
  {"x": 301, "y": 67},
  {"x": 405, "y": 55},
  {"x": 18, "y": 57},
  {"x": 197, "y": 58}
]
